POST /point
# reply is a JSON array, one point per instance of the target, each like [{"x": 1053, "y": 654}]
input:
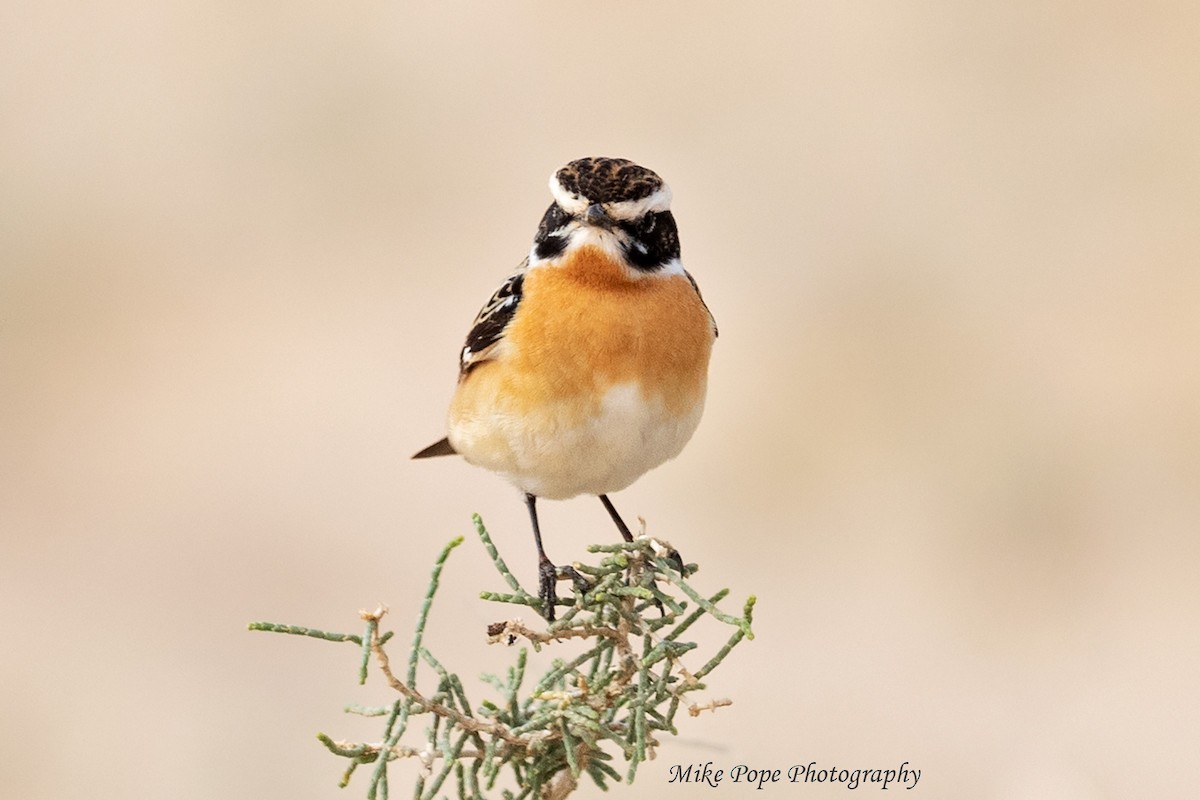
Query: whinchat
[{"x": 588, "y": 366}]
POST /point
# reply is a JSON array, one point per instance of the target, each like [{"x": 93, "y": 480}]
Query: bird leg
[
  {"x": 612, "y": 512},
  {"x": 672, "y": 555},
  {"x": 548, "y": 574}
]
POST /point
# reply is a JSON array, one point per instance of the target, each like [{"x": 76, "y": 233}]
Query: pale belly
[{"x": 563, "y": 449}]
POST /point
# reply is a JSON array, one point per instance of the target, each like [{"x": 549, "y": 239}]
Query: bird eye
[{"x": 647, "y": 224}]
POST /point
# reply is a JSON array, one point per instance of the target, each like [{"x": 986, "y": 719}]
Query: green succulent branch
[{"x": 615, "y": 698}]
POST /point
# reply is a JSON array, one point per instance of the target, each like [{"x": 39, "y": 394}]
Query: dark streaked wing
[
  {"x": 488, "y": 329},
  {"x": 696, "y": 286}
]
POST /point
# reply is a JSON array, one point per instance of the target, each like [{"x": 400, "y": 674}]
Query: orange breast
[{"x": 585, "y": 325}]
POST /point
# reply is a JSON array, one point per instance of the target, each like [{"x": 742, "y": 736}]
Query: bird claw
[
  {"x": 547, "y": 578},
  {"x": 582, "y": 585},
  {"x": 675, "y": 560},
  {"x": 672, "y": 557}
]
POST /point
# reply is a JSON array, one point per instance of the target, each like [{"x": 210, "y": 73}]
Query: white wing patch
[{"x": 487, "y": 331}]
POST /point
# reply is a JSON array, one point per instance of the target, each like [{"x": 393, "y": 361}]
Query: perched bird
[{"x": 588, "y": 366}]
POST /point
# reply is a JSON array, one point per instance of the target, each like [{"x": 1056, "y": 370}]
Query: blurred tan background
[{"x": 953, "y": 435}]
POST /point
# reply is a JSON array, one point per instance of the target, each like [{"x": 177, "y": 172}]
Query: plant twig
[{"x": 621, "y": 691}]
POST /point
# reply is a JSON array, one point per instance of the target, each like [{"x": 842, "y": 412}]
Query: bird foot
[
  {"x": 665, "y": 551},
  {"x": 548, "y": 576},
  {"x": 582, "y": 584},
  {"x": 672, "y": 557}
]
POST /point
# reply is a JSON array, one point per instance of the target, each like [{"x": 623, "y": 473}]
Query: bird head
[{"x": 614, "y": 204}]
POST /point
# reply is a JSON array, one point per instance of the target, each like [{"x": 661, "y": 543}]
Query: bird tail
[{"x": 442, "y": 447}]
